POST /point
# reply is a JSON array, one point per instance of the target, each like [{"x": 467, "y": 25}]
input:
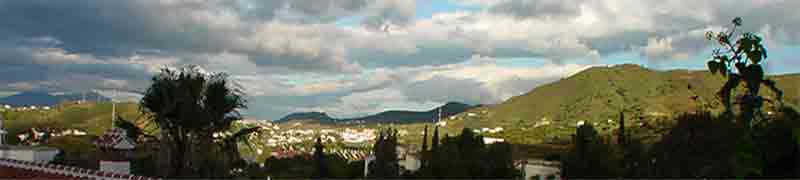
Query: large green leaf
[
  {"x": 745, "y": 43},
  {"x": 723, "y": 68},
  {"x": 737, "y": 21},
  {"x": 724, "y": 59},
  {"x": 713, "y": 66}
]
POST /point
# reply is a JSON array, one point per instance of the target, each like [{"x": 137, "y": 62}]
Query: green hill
[
  {"x": 548, "y": 113},
  {"x": 598, "y": 94},
  {"x": 94, "y": 118}
]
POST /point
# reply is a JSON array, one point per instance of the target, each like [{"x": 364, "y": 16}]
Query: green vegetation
[
  {"x": 466, "y": 156},
  {"x": 195, "y": 112},
  {"x": 549, "y": 113},
  {"x": 750, "y": 141},
  {"x": 94, "y": 118},
  {"x": 699, "y": 145},
  {"x": 386, "y": 161},
  {"x": 592, "y": 96}
]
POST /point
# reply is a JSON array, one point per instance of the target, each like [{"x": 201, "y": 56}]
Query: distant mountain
[
  {"x": 316, "y": 116},
  {"x": 448, "y": 109},
  {"x": 41, "y": 98}
]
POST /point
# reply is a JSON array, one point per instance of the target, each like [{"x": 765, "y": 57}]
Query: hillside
[
  {"x": 548, "y": 113},
  {"x": 400, "y": 117},
  {"x": 94, "y": 118},
  {"x": 598, "y": 94}
]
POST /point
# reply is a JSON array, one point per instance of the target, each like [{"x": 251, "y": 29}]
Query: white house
[
  {"x": 28, "y": 153},
  {"x": 541, "y": 168},
  {"x": 410, "y": 163},
  {"x": 24, "y": 153}
]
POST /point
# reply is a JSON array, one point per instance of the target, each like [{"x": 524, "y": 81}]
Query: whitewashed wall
[
  {"x": 29, "y": 154},
  {"x": 123, "y": 167}
]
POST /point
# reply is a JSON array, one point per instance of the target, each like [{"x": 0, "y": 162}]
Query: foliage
[
  {"x": 735, "y": 55},
  {"x": 302, "y": 167},
  {"x": 77, "y": 151},
  {"x": 589, "y": 157},
  {"x": 702, "y": 145},
  {"x": 699, "y": 145},
  {"x": 466, "y": 156},
  {"x": 385, "y": 151},
  {"x": 132, "y": 130},
  {"x": 191, "y": 108},
  {"x": 321, "y": 167}
]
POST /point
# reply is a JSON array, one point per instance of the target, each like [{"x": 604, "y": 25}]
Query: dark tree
[
  {"x": 734, "y": 55},
  {"x": 133, "y": 131},
  {"x": 467, "y": 157},
  {"x": 189, "y": 106},
  {"x": 321, "y": 166},
  {"x": 385, "y": 164},
  {"x": 746, "y": 55},
  {"x": 589, "y": 157},
  {"x": 435, "y": 138},
  {"x": 424, "y": 151}
]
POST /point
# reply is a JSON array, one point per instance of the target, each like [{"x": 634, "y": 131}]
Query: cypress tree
[
  {"x": 425, "y": 139},
  {"x": 385, "y": 164},
  {"x": 424, "y": 154},
  {"x": 621, "y": 136},
  {"x": 319, "y": 157},
  {"x": 435, "y": 140}
]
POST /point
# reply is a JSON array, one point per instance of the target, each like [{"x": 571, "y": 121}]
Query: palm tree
[{"x": 189, "y": 106}]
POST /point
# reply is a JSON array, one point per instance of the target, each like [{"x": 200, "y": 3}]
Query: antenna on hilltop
[
  {"x": 440, "y": 115},
  {"x": 385, "y": 27},
  {"x": 113, "y": 108}
]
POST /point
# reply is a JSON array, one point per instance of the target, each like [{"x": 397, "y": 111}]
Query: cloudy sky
[{"x": 354, "y": 57}]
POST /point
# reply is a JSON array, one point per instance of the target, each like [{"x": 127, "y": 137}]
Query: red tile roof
[{"x": 112, "y": 137}]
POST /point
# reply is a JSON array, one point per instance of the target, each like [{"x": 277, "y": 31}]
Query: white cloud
[
  {"x": 479, "y": 80},
  {"x": 287, "y": 49},
  {"x": 390, "y": 13}
]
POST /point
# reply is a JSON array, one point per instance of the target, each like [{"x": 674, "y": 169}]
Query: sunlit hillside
[{"x": 94, "y": 118}]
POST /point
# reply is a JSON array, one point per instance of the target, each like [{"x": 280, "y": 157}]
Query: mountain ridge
[
  {"x": 42, "y": 98},
  {"x": 390, "y": 116}
]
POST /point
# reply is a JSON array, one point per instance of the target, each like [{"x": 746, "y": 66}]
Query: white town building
[{"x": 24, "y": 153}]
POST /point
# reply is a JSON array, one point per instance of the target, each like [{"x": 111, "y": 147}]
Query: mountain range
[
  {"x": 41, "y": 98},
  {"x": 394, "y": 116},
  {"x": 548, "y": 112}
]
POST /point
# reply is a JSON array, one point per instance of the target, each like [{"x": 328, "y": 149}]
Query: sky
[{"x": 354, "y": 57}]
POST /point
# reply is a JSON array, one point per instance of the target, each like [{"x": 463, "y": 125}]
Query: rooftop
[{"x": 34, "y": 148}]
